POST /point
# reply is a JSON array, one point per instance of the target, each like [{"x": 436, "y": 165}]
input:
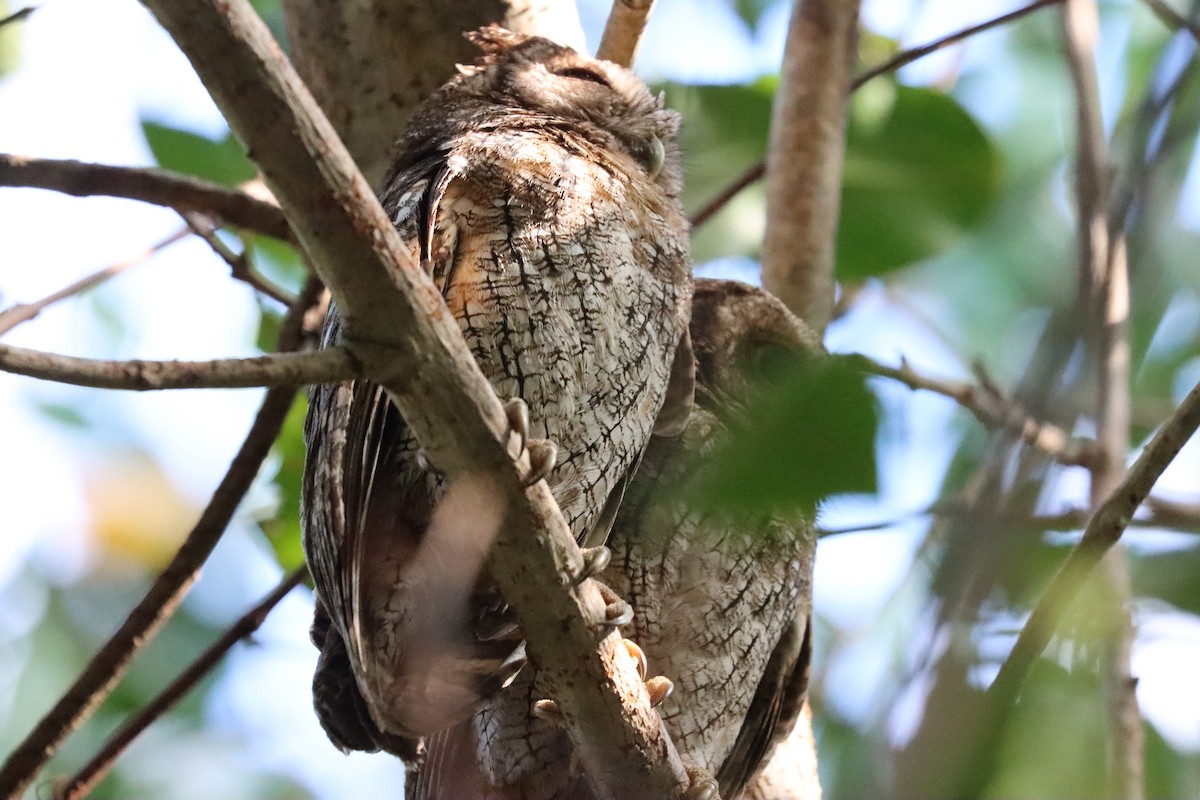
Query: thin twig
[
  {"x": 110, "y": 662},
  {"x": 160, "y": 187},
  {"x": 1103, "y": 530},
  {"x": 101, "y": 763},
  {"x": 17, "y": 16},
  {"x": 991, "y": 407},
  {"x": 623, "y": 31},
  {"x": 239, "y": 264},
  {"x": 901, "y": 59},
  {"x": 20, "y": 313},
  {"x": 280, "y": 369},
  {"x": 1173, "y": 18},
  {"x": 397, "y": 323}
]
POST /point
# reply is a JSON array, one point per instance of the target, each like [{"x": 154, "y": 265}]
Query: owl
[
  {"x": 539, "y": 189},
  {"x": 722, "y": 599}
]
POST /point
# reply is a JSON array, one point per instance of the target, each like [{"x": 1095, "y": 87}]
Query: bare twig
[
  {"x": 17, "y": 314},
  {"x": 99, "y": 765},
  {"x": 399, "y": 327},
  {"x": 282, "y": 369},
  {"x": 804, "y": 158},
  {"x": 991, "y": 407},
  {"x": 1173, "y": 18},
  {"x": 1103, "y": 530},
  {"x": 180, "y": 192},
  {"x": 239, "y": 263},
  {"x": 623, "y": 31},
  {"x": 107, "y": 666},
  {"x": 901, "y": 59},
  {"x": 17, "y": 16}
]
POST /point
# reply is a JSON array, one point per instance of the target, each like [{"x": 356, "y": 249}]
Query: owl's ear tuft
[{"x": 493, "y": 39}]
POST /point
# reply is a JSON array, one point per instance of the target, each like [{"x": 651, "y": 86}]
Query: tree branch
[
  {"x": 85, "y": 780},
  {"x": 400, "y": 329},
  {"x": 1104, "y": 530},
  {"x": 283, "y": 369},
  {"x": 623, "y": 31},
  {"x": 1173, "y": 18},
  {"x": 901, "y": 59},
  {"x": 159, "y": 187},
  {"x": 107, "y": 666},
  {"x": 20, "y": 313},
  {"x": 991, "y": 407},
  {"x": 804, "y": 158},
  {"x": 239, "y": 263}
]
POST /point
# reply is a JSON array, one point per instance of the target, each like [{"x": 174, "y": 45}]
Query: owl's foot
[
  {"x": 659, "y": 687},
  {"x": 543, "y": 453},
  {"x": 595, "y": 560},
  {"x": 617, "y": 612},
  {"x": 701, "y": 785}
]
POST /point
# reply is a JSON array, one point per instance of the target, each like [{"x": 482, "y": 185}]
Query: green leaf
[
  {"x": 223, "y": 160},
  {"x": 919, "y": 173},
  {"x": 809, "y": 436}
]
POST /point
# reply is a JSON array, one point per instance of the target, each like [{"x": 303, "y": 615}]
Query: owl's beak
[{"x": 655, "y": 158}]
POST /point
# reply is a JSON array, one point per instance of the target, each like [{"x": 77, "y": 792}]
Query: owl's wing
[{"x": 773, "y": 710}]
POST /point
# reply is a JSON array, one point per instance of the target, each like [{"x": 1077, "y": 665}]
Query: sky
[{"x": 88, "y": 72}]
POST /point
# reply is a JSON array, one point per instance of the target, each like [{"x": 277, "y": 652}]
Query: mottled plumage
[
  {"x": 721, "y": 600},
  {"x": 539, "y": 189}
]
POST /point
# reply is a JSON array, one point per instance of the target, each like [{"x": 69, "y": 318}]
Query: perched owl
[
  {"x": 721, "y": 599},
  {"x": 539, "y": 190}
]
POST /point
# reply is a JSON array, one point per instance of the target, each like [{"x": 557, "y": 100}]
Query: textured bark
[
  {"x": 370, "y": 63},
  {"x": 804, "y": 162},
  {"x": 398, "y": 326}
]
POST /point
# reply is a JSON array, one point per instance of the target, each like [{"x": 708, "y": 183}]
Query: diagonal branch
[
  {"x": 1173, "y": 18},
  {"x": 1104, "y": 530},
  {"x": 901, "y": 59},
  {"x": 20, "y": 313},
  {"x": 106, "y": 667},
  {"x": 283, "y": 369},
  {"x": 84, "y": 781},
  {"x": 407, "y": 341},
  {"x": 623, "y": 31},
  {"x": 991, "y": 407},
  {"x": 160, "y": 187}
]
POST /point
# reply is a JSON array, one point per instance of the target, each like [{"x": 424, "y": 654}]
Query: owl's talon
[
  {"x": 543, "y": 455},
  {"x": 617, "y": 612},
  {"x": 638, "y": 656},
  {"x": 659, "y": 688},
  {"x": 701, "y": 785},
  {"x": 516, "y": 411},
  {"x": 595, "y": 560},
  {"x": 549, "y": 711}
]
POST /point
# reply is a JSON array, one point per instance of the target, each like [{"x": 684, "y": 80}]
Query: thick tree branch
[
  {"x": 180, "y": 192},
  {"x": 399, "y": 328},
  {"x": 991, "y": 407},
  {"x": 284, "y": 369},
  {"x": 804, "y": 158},
  {"x": 85, "y": 780},
  {"x": 20, "y": 313},
  {"x": 107, "y": 666},
  {"x": 623, "y": 31},
  {"x": 1104, "y": 530}
]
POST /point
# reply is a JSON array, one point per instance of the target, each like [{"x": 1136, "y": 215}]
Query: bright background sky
[{"x": 88, "y": 73}]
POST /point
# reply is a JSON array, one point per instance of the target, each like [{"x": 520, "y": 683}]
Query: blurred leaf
[
  {"x": 276, "y": 261},
  {"x": 269, "y": 322},
  {"x": 809, "y": 436},
  {"x": 223, "y": 161},
  {"x": 66, "y": 415},
  {"x": 750, "y": 10},
  {"x": 10, "y": 34},
  {"x": 1169, "y": 576},
  {"x": 919, "y": 173},
  {"x": 283, "y": 531}
]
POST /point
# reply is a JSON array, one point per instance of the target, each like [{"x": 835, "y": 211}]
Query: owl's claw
[
  {"x": 701, "y": 785},
  {"x": 595, "y": 560},
  {"x": 549, "y": 711},
  {"x": 543, "y": 455},
  {"x": 516, "y": 411},
  {"x": 638, "y": 656},
  {"x": 659, "y": 688},
  {"x": 617, "y": 612}
]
